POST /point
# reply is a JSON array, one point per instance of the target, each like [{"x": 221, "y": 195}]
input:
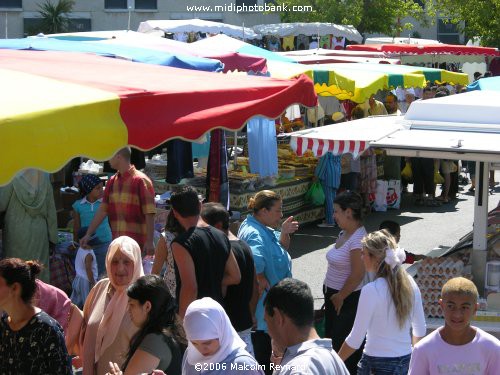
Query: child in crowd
[
  {"x": 91, "y": 189},
  {"x": 393, "y": 228},
  {"x": 86, "y": 272},
  {"x": 457, "y": 347}
]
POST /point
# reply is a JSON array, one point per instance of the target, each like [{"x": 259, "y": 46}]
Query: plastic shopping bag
[
  {"x": 407, "y": 173},
  {"x": 394, "y": 194},
  {"x": 315, "y": 194},
  {"x": 381, "y": 196}
]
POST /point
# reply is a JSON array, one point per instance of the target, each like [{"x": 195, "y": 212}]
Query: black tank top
[{"x": 209, "y": 248}]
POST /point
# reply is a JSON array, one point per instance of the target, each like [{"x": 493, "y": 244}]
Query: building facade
[{"x": 19, "y": 17}]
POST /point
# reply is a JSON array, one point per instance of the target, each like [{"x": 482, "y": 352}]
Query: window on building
[
  {"x": 448, "y": 32},
  {"x": 115, "y": 4},
  {"x": 32, "y": 25},
  {"x": 16, "y": 4},
  {"x": 146, "y": 4}
]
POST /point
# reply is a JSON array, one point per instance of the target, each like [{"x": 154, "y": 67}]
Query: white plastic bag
[
  {"x": 380, "y": 203},
  {"x": 394, "y": 194}
]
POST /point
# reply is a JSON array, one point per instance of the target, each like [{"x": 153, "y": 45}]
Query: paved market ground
[{"x": 422, "y": 229}]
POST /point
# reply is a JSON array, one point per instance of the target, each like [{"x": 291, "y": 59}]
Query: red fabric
[
  {"x": 53, "y": 301},
  {"x": 419, "y": 49},
  {"x": 127, "y": 199},
  {"x": 159, "y": 103},
  {"x": 240, "y": 62}
]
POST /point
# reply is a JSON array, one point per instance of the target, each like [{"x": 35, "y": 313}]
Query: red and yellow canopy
[{"x": 58, "y": 105}]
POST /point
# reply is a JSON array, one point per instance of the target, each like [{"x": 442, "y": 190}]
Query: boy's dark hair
[
  {"x": 185, "y": 201},
  {"x": 391, "y": 226},
  {"x": 294, "y": 299},
  {"x": 214, "y": 213}
]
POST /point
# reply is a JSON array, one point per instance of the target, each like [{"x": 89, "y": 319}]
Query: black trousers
[
  {"x": 338, "y": 327},
  {"x": 423, "y": 175},
  {"x": 262, "y": 349}
]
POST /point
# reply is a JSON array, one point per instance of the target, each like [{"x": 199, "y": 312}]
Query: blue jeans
[{"x": 384, "y": 365}]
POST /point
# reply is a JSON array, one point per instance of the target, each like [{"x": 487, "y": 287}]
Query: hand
[
  {"x": 149, "y": 248},
  {"x": 337, "y": 301},
  {"x": 114, "y": 369},
  {"x": 84, "y": 241},
  {"x": 289, "y": 226}
]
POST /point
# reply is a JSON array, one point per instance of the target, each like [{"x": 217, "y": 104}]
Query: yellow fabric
[
  {"x": 288, "y": 43},
  {"x": 72, "y": 120},
  {"x": 454, "y": 78}
]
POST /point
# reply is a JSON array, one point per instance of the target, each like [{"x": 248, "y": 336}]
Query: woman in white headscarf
[
  {"x": 107, "y": 327},
  {"x": 214, "y": 347}
]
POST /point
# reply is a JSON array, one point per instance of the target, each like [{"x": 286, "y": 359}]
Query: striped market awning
[{"x": 346, "y": 137}]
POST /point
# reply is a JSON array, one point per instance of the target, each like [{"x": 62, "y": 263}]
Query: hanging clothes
[
  {"x": 328, "y": 172},
  {"x": 338, "y": 42},
  {"x": 179, "y": 161},
  {"x": 217, "y": 179},
  {"x": 293, "y": 112},
  {"x": 302, "y": 42},
  {"x": 288, "y": 43},
  {"x": 325, "y": 42},
  {"x": 262, "y": 146}
]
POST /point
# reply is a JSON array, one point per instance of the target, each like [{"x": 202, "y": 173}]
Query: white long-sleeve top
[{"x": 376, "y": 318}]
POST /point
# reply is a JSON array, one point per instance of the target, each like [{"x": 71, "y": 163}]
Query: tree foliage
[
  {"x": 476, "y": 18},
  {"x": 55, "y": 16},
  {"x": 367, "y": 16}
]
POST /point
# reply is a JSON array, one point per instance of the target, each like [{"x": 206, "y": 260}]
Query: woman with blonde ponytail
[{"x": 388, "y": 307}]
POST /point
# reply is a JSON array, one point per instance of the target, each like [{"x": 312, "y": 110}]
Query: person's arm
[
  {"x": 232, "y": 274},
  {"x": 418, "y": 325},
  {"x": 364, "y": 317},
  {"x": 149, "y": 247},
  {"x": 262, "y": 284},
  {"x": 88, "y": 269},
  {"x": 160, "y": 256},
  {"x": 288, "y": 227},
  {"x": 76, "y": 225},
  {"x": 352, "y": 282},
  {"x": 345, "y": 351},
  {"x": 141, "y": 362},
  {"x": 99, "y": 216},
  {"x": 189, "y": 285},
  {"x": 255, "y": 297}
]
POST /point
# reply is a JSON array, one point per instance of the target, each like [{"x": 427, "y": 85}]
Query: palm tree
[{"x": 55, "y": 17}]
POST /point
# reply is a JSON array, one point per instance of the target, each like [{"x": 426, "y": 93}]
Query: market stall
[
  {"x": 197, "y": 25},
  {"x": 465, "y": 127}
]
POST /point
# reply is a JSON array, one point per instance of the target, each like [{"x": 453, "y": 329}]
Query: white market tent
[
  {"x": 465, "y": 127},
  {"x": 345, "y": 137},
  {"x": 197, "y": 25},
  {"x": 310, "y": 29}
]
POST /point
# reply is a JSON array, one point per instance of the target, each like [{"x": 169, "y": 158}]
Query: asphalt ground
[{"x": 422, "y": 230}]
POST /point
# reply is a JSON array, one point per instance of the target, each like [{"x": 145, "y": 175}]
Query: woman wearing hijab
[
  {"x": 214, "y": 347},
  {"x": 107, "y": 328}
]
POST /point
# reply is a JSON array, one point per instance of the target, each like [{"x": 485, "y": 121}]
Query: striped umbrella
[{"x": 57, "y": 105}]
